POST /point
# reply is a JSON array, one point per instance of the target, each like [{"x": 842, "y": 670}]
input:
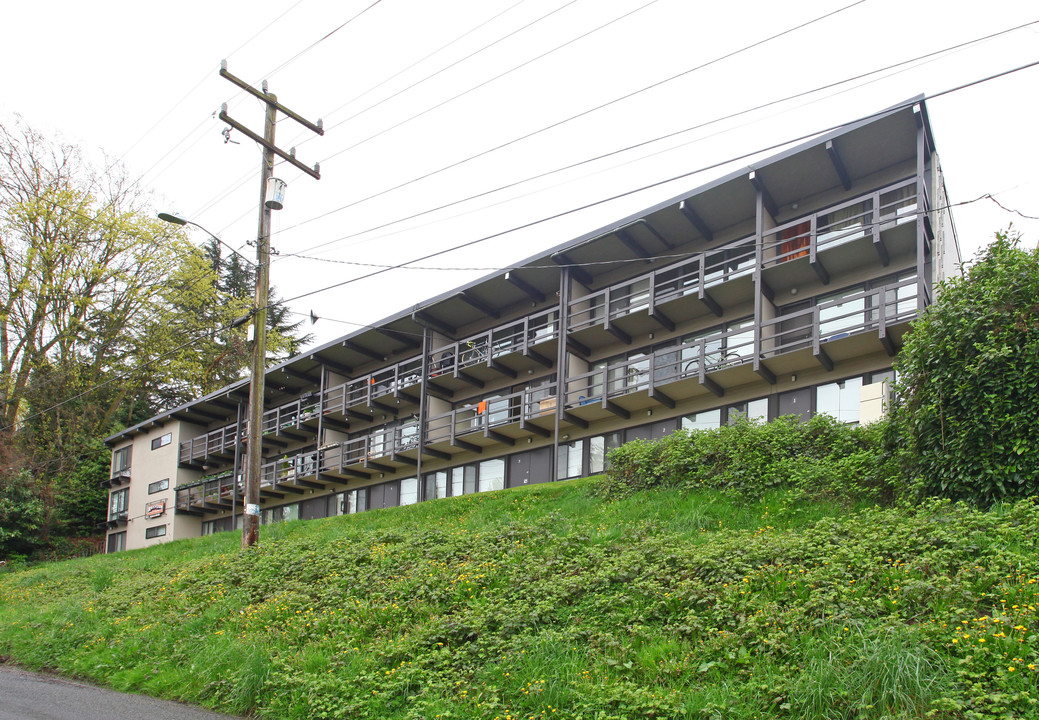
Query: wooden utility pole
[{"x": 254, "y": 450}]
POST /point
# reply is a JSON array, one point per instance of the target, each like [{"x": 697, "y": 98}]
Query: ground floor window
[
  {"x": 154, "y": 532},
  {"x": 116, "y": 542}
]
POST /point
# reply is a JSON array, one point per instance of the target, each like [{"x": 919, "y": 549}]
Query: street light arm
[{"x": 175, "y": 219}]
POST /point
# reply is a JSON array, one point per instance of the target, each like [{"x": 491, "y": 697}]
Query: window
[
  {"x": 116, "y": 542},
  {"x": 358, "y": 500},
  {"x": 121, "y": 459},
  {"x": 706, "y": 420},
  {"x": 436, "y": 485},
  {"x": 162, "y": 441},
  {"x": 839, "y": 399},
  {"x": 570, "y": 460},
  {"x": 117, "y": 504},
  {"x": 752, "y": 410},
  {"x": 154, "y": 532},
  {"x": 158, "y": 486},
  {"x": 492, "y": 475},
  {"x": 598, "y": 448},
  {"x": 409, "y": 491}
]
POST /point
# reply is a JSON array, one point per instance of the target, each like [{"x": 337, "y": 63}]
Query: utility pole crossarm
[
  {"x": 312, "y": 172},
  {"x": 315, "y": 127}
]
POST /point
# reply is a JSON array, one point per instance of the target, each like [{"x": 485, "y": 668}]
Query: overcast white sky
[{"x": 410, "y": 87}]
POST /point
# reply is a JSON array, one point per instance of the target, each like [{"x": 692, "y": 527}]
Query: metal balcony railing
[
  {"x": 491, "y": 413},
  {"x": 867, "y": 311},
  {"x": 517, "y": 336},
  {"x": 693, "y": 359},
  {"x": 364, "y": 390},
  {"x": 209, "y": 493}
]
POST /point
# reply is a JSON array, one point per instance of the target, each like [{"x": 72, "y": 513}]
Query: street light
[{"x": 176, "y": 219}]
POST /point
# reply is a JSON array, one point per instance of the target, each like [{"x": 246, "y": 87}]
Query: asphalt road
[{"x": 32, "y": 696}]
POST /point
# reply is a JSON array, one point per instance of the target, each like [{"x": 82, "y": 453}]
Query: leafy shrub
[
  {"x": 819, "y": 457},
  {"x": 965, "y": 422}
]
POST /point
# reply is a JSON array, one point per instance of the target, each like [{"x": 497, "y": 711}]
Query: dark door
[
  {"x": 796, "y": 402},
  {"x": 313, "y": 508},
  {"x": 530, "y": 468}
]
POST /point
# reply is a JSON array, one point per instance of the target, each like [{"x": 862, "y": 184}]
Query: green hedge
[{"x": 820, "y": 457}]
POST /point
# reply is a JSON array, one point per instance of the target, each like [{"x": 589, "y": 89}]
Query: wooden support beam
[
  {"x": 662, "y": 398},
  {"x": 462, "y": 375},
  {"x": 881, "y": 248},
  {"x": 355, "y": 474},
  {"x": 616, "y": 409},
  {"x": 838, "y": 164},
  {"x": 532, "y": 292},
  {"x": 766, "y": 197},
  {"x": 768, "y": 292},
  {"x": 574, "y": 420},
  {"x": 439, "y": 391},
  {"x": 403, "y": 459},
  {"x": 271, "y": 494},
  {"x": 632, "y": 244},
  {"x": 335, "y": 424},
  {"x": 438, "y": 454},
  {"x": 889, "y": 345},
  {"x": 820, "y": 270},
  {"x": 711, "y": 303},
  {"x": 465, "y": 445},
  {"x": 535, "y": 429},
  {"x": 292, "y": 372},
  {"x": 617, "y": 332},
  {"x": 424, "y": 319},
  {"x": 696, "y": 221},
  {"x": 761, "y": 369},
  {"x": 577, "y": 348},
  {"x": 477, "y": 304},
  {"x": 333, "y": 365},
  {"x": 381, "y": 407},
  {"x": 498, "y": 437},
  {"x": 288, "y": 488},
  {"x": 405, "y": 339},
  {"x": 576, "y": 271},
  {"x": 268, "y": 440},
  {"x": 502, "y": 369},
  {"x": 362, "y": 350},
  {"x": 663, "y": 320},
  {"x": 379, "y": 467},
  {"x": 654, "y": 232},
  {"x": 716, "y": 389},
  {"x": 310, "y": 484},
  {"x": 824, "y": 359},
  {"x": 355, "y": 415},
  {"x": 537, "y": 357}
]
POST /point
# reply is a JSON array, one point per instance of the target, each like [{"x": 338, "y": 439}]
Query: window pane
[
  {"x": 841, "y": 400},
  {"x": 456, "y": 481},
  {"x": 705, "y": 420},
  {"x": 469, "y": 483},
  {"x": 409, "y": 491},
  {"x": 492, "y": 475},
  {"x": 290, "y": 512},
  {"x": 596, "y": 454}
]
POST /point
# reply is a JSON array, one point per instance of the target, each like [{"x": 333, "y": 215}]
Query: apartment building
[{"x": 785, "y": 287}]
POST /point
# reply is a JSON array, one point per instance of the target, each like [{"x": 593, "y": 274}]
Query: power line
[
  {"x": 571, "y": 118},
  {"x": 656, "y": 139},
  {"x": 532, "y": 223},
  {"x": 659, "y": 183}
]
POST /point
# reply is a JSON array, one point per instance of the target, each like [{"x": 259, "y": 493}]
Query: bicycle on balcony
[{"x": 475, "y": 352}]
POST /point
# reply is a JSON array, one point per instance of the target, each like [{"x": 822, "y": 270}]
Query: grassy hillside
[{"x": 550, "y": 602}]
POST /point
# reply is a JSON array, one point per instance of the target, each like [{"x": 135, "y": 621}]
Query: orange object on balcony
[
  {"x": 481, "y": 407},
  {"x": 796, "y": 237}
]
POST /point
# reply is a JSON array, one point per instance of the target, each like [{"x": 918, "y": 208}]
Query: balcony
[
  {"x": 117, "y": 519},
  {"x": 215, "y": 494},
  {"x": 118, "y": 478},
  {"x": 497, "y": 420},
  {"x": 664, "y": 377},
  {"x": 843, "y": 238},
  {"x": 851, "y": 326},
  {"x": 382, "y": 390},
  {"x": 216, "y": 446},
  {"x": 296, "y": 420},
  {"x": 685, "y": 292},
  {"x": 505, "y": 351}
]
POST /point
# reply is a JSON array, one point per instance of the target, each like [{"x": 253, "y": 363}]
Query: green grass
[{"x": 549, "y": 601}]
